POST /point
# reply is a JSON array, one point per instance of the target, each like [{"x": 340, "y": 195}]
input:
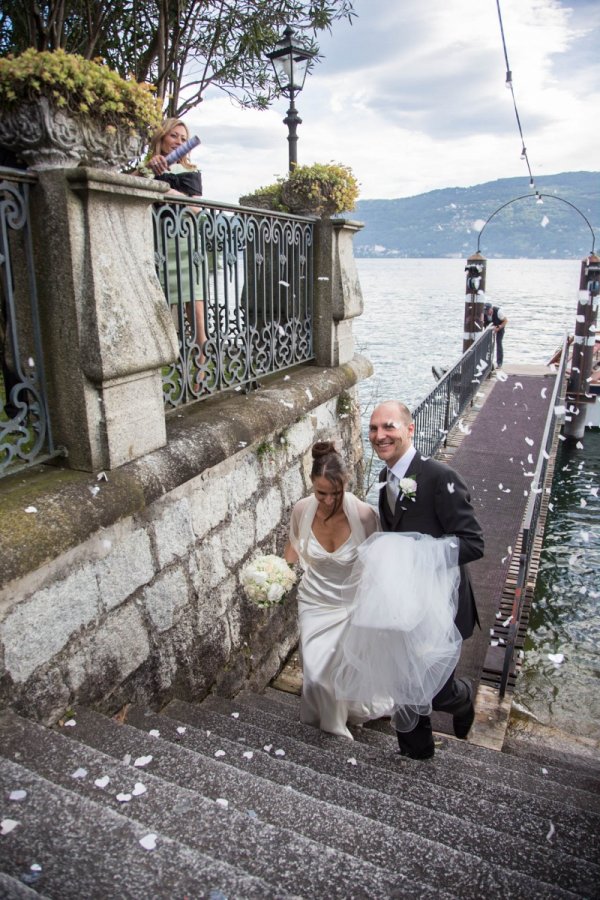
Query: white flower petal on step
[
  {"x": 31, "y": 509},
  {"x": 79, "y": 773},
  {"x": 235, "y": 715},
  {"x": 102, "y": 782},
  {"x": 507, "y": 622},
  {"x": 142, "y": 761},
  {"x": 518, "y": 385},
  {"x": 551, "y": 832},
  {"x": 543, "y": 393},
  {"x": 17, "y": 795},
  {"x": 70, "y": 723},
  {"x": 268, "y": 747},
  {"x": 556, "y": 658},
  {"x": 219, "y": 753},
  {"x": 544, "y": 771},
  {"x": 220, "y": 801},
  {"x": 139, "y": 789},
  {"x": 579, "y": 445},
  {"x": 248, "y": 754},
  {"x": 181, "y": 729},
  {"x": 127, "y": 759},
  {"x": 8, "y": 825},
  {"x": 352, "y": 761},
  {"x": 154, "y": 732},
  {"x": 280, "y": 752},
  {"x": 501, "y": 376},
  {"x": 123, "y": 798},
  {"x": 451, "y": 487},
  {"x": 148, "y": 842},
  {"x": 529, "y": 441},
  {"x": 582, "y": 502}
]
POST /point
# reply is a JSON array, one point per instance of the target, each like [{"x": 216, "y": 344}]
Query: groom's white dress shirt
[{"x": 396, "y": 473}]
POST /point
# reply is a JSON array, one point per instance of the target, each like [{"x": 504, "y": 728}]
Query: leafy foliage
[
  {"x": 180, "y": 46},
  {"x": 321, "y": 189},
  {"x": 82, "y": 86}
]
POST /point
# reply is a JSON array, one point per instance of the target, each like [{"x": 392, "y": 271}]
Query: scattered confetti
[
  {"x": 148, "y": 842},
  {"x": 123, "y": 798},
  {"x": 579, "y": 445},
  {"x": 280, "y": 752},
  {"x": 450, "y": 487},
  {"x": 142, "y": 761},
  {"x": 529, "y": 441},
  {"x": 181, "y": 729},
  {"x": 8, "y": 825},
  {"x": 268, "y": 747},
  {"x": 248, "y": 754},
  {"x": 220, "y": 801},
  {"x": 501, "y": 376},
  {"x": 352, "y": 761},
  {"x": 235, "y": 715},
  {"x": 284, "y": 283},
  {"x": 154, "y": 732},
  {"x": 79, "y": 773},
  {"x": 285, "y": 403},
  {"x": 101, "y": 476},
  {"x": 139, "y": 789},
  {"x": 70, "y": 723},
  {"x": 308, "y": 394},
  {"x": 31, "y": 509},
  {"x": 102, "y": 782},
  {"x": 556, "y": 658},
  {"x": 93, "y": 489},
  {"x": 17, "y": 795},
  {"x": 517, "y": 385},
  {"x": 127, "y": 759},
  {"x": 551, "y": 832},
  {"x": 543, "y": 393}
]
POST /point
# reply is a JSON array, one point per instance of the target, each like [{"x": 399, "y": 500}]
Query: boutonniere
[{"x": 408, "y": 488}]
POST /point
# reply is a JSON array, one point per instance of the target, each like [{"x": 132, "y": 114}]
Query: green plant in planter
[
  {"x": 322, "y": 189},
  {"x": 59, "y": 109},
  {"x": 85, "y": 88}
]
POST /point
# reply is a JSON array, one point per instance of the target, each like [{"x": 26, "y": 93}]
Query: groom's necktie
[{"x": 393, "y": 489}]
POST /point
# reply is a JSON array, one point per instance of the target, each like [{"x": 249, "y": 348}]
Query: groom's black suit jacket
[{"x": 442, "y": 506}]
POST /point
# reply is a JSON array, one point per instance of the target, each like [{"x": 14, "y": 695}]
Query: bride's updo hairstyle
[{"x": 327, "y": 463}]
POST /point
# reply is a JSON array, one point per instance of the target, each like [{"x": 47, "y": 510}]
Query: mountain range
[{"x": 449, "y": 222}]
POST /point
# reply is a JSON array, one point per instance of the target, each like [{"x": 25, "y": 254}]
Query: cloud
[{"x": 412, "y": 97}]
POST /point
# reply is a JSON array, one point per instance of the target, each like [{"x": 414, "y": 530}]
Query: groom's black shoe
[
  {"x": 465, "y": 716},
  {"x": 417, "y": 744}
]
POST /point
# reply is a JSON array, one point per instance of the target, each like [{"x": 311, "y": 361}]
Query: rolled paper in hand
[{"x": 175, "y": 155}]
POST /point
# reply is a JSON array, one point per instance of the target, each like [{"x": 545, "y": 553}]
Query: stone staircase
[{"x": 236, "y": 799}]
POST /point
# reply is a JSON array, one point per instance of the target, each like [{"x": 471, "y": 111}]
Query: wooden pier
[{"x": 494, "y": 448}]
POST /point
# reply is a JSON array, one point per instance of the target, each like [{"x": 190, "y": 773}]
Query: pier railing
[
  {"x": 25, "y": 427},
  {"x": 239, "y": 284},
  {"x": 444, "y": 405},
  {"x": 530, "y": 519}
]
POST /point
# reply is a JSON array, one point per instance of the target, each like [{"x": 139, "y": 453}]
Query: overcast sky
[{"x": 412, "y": 97}]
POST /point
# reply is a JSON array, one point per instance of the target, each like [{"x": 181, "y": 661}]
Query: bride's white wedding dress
[{"x": 376, "y": 621}]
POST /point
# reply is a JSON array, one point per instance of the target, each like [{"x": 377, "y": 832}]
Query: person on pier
[
  {"x": 493, "y": 315},
  {"x": 426, "y": 496}
]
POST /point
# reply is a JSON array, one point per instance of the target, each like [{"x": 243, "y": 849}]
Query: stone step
[
  {"x": 393, "y": 853},
  {"x": 506, "y": 806},
  {"x": 16, "y": 889},
  {"x": 563, "y": 769},
  {"x": 321, "y": 779},
  {"x": 85, "y": 850},
  {"x": 524, "y": 749},
  {"x": 235, "y": 837}
]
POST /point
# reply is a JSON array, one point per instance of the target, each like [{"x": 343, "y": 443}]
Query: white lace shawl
[{"x": 362, "y": 518}]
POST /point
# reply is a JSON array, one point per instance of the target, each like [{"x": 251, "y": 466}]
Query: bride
[
  {"x": 325, "y": 532},
  {"x": 376, "y": 610}
]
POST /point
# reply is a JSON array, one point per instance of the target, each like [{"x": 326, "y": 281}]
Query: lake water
[{"x": 413, "y": 319}]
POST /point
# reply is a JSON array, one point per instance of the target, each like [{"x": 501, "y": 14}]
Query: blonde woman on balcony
[{"x": 184, "y": 179}]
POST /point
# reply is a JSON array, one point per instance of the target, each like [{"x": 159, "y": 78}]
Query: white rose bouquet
[{"x": 267, "y": 579}]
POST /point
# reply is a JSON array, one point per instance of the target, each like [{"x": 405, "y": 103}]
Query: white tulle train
[{"x": 401, "y": 640}]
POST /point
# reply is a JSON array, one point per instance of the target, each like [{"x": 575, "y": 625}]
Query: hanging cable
[{"x": 509, "y": 85}]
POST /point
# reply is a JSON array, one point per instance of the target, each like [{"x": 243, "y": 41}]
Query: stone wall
[{"x": 126, "y": 587}]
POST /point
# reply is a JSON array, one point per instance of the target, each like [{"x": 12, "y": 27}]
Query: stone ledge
[{"x": 199, "y": 437}]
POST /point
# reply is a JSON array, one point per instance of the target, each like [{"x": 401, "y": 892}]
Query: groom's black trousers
[{"x": 452, "y": 698}]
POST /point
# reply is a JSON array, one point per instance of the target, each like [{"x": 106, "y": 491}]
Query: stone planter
[
  {"x": 299, "y": 203},
  {"x": 49, "y": 137}
]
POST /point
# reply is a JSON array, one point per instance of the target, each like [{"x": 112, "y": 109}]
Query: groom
[{"x": 432, "y": 499}]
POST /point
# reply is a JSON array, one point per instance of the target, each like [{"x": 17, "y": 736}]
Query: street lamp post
[{"x": 290, "y": 63}]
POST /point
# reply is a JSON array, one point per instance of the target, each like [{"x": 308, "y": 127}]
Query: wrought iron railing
[
  {"x": 530, "y": 519},
  {"x": 444, "y": 405},
  {"x": 239, "y": 283},
  {"x": 25, "y": 428}
]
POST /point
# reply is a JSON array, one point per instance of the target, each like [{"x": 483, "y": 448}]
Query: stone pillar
[
  {"x": 105, "y": 324},
  {"x": 474, "y": 298},
  {"x": 584, "y": 340},
  {"x": 337, "y": 292}
]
